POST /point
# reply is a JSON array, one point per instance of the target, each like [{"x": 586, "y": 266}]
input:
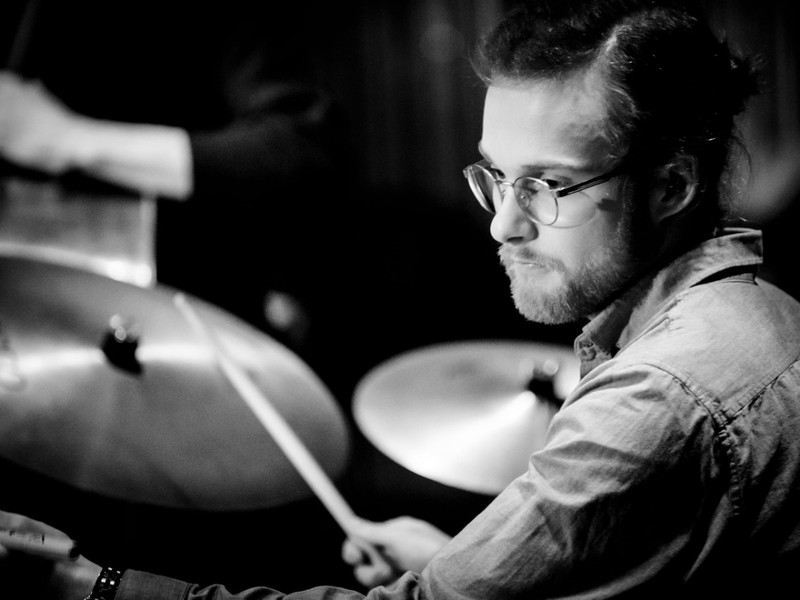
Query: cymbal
[
  {"x": 106, "y": 387},
  {"x": 465, "y": 414}
]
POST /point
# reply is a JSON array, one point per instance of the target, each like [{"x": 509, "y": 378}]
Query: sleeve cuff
[{"x": 138, "y": 585}]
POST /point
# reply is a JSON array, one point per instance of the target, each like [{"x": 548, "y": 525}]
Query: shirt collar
[{"x": 626, "y": 317}]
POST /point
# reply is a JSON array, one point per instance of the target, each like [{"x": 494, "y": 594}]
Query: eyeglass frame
[{"x": 556, "y": 192}]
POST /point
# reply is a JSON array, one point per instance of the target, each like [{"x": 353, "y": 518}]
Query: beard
[{"x": 592, "y": 287}]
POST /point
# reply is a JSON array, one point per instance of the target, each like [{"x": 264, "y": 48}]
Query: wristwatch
[{"x": 105, "y": 588}]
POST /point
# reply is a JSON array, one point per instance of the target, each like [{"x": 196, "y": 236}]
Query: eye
[{"x": 554, "y": 184}]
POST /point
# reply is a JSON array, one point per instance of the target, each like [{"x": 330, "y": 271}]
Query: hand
[
  {"x": 28, "y": 576},
  {"x": 35, "y": 127},
  {"x": 381, "y": 552}
]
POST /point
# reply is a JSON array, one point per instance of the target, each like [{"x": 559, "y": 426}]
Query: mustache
[{"x": 510, "y": 255}]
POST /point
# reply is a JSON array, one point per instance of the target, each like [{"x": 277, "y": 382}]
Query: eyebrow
[{"x": 542, "y": 166}]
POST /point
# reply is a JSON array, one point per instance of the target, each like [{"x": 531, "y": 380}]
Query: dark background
[{"x": 416, "y": 267}]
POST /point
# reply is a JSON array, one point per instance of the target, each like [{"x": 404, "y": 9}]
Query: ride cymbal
[
  {"x": 106, "y": 387},
  {"x": 465, "y": 414}
]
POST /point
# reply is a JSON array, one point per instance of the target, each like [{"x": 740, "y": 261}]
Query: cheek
[{"x": 575, "y": 247}]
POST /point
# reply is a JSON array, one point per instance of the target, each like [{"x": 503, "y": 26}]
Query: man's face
[{"x": 551, "y": 131}]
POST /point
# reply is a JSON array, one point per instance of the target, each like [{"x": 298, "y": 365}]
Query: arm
[
  {"x": 598, "y": 511},
  {"x": 138, "y": 585},
  {"x": 247, "y": 120},
  {"x": 38, "y": 132},
  {"x": 23, "y": 574}
]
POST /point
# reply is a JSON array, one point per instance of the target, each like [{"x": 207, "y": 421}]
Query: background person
[{"x": 216, "y": 113}]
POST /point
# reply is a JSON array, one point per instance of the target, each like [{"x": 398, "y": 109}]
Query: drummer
[
  {"x": 671, "y": 470},
  {"x": 215, "y": 115}
]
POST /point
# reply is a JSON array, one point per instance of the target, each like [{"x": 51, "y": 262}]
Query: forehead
[{"x": 544, "y": 122}]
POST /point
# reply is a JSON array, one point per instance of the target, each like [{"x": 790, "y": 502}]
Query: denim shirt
[
  {"x": 670, "y": 471},
  {"x": 673, "y": 467}
]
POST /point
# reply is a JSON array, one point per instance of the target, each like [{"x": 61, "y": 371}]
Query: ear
[{"x": 675, "y": 188}]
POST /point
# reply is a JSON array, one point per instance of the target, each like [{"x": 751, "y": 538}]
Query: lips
[
  {"x": 522, "y": 258},
  {"x": 528, "y": 263}
]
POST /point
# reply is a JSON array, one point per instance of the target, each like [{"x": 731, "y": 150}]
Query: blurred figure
[{"x": 213, "y": 111}]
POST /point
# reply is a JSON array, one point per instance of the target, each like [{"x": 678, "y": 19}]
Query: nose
[{"x": 510, "y": 224}]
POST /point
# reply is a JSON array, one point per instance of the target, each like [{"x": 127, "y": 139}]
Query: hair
[{"x": 671, "y": 87}]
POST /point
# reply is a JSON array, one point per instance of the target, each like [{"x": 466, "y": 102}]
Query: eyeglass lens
[{"x": 533, "y": 196}]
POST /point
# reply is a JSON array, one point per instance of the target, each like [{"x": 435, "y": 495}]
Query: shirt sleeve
[
  {"x": 597, "y": 514},
  {"x": 138, "y": 585}
]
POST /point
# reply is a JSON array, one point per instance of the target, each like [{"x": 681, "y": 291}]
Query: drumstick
[
  {"x": 38, "y": 544},
  {"x": 23, "y": 36},
  {"x": 274, "y": 423}
]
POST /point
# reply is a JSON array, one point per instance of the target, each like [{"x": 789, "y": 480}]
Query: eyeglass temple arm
[{"x": 587, "y": 184}]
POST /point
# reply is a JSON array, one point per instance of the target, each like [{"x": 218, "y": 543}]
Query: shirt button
[{"x": 586, "y": 353}]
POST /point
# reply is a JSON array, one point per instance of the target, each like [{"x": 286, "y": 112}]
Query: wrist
[
  {"x": 106, "y": 584},
  {"x": 73, "y": 580},
  {"x": 81, "y": 143}
]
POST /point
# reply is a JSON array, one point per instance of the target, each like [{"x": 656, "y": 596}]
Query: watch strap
[{"x": 106, "y": 585}]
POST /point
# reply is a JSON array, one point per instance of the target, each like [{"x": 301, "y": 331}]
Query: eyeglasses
[{"x": 537, "y": 198}]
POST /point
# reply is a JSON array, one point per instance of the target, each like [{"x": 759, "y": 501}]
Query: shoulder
[{"x": 724, "y": 342}]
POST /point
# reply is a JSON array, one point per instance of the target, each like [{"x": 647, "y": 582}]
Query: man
[{"x": 671, "y": 471}]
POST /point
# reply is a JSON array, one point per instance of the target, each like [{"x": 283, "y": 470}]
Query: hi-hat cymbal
[
  {"x": 106, "y": 387},
  {"x": 464, "y": 413}
]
